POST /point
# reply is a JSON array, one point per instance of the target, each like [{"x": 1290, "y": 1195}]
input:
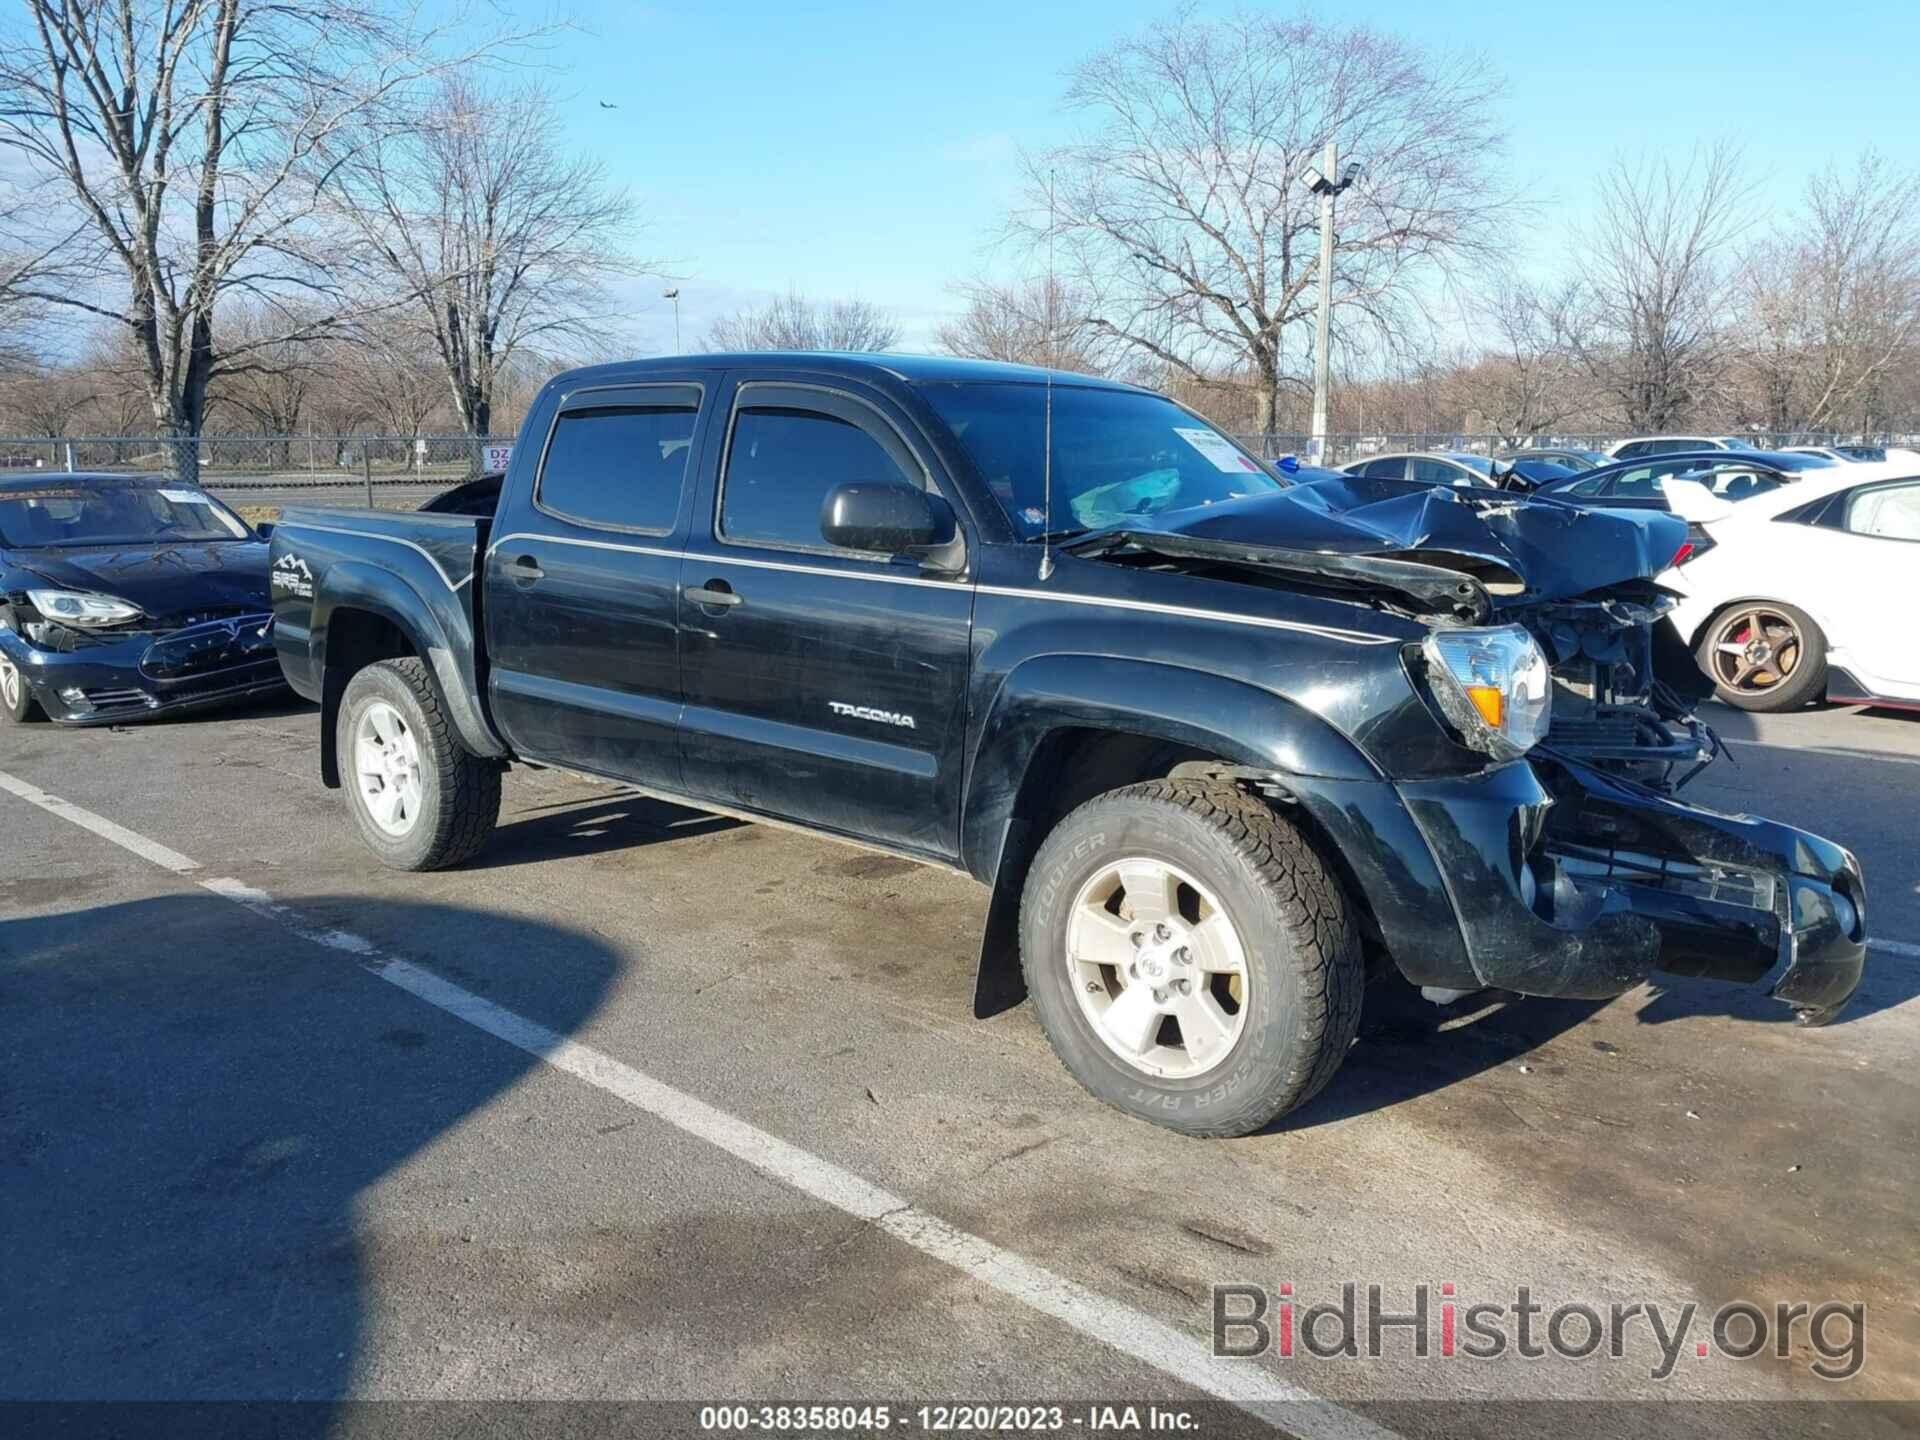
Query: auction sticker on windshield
[{"x": 1217, "y": 449}]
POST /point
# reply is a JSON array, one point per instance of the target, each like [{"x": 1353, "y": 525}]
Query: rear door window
[
  {"x": 620, "y": 465},
  {"x": 1439, "y": 472}
]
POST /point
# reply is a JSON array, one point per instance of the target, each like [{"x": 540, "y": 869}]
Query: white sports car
[{"x": 1805, "y": 590}]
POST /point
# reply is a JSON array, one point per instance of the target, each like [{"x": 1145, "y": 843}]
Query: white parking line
[
  {"x": 1896, "y": 947},
  {"x": 139, "y": 844},
  {"x": 1130, "y": 1331}
]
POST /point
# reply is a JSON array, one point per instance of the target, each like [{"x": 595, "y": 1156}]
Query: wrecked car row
[{"x": 124, "y": 597}]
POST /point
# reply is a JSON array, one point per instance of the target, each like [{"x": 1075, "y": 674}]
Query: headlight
[
  {"x": 1494, "y": 686},
  {"x": 73, "y": 607}
]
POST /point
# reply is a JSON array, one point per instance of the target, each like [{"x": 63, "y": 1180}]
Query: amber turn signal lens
[{"x": 1487, "y": 700}]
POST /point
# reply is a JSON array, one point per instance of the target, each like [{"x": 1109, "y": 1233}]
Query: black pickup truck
[{"x": 1223, "y": 740}]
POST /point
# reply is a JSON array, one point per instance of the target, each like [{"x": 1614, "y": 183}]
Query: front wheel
[
  {"x": 16, "y": 701},
  {"x": 1765, "y": 656},
  {"x": 421, "y": 799},
  {"x": 1192, "y": 960}
]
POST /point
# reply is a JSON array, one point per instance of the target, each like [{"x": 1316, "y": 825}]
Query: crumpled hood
[
  {"x": 166, "y": 581},
  {"x": 1552, "y": 550}
]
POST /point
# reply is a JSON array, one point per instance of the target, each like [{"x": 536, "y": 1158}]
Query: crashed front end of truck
[{"x": 1561, "y": 847}]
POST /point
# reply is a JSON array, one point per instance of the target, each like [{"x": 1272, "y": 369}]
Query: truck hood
[
  {"x": 1433, "y": 549},
  {"x": 165, "y": 581}
]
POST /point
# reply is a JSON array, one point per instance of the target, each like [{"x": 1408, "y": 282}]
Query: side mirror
[
  {"x": 890, "y": 519},
  {"x": 264, "y": 529}
]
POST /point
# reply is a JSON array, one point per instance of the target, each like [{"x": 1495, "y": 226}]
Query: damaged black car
[
  {"x": 127, "y": 596},
  {"x": 1224, "y": 743}
]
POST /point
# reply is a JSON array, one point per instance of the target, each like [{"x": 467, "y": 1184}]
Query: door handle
[
  {"x": 524, "y": 567},
  {"x": 715, "y": 592}
]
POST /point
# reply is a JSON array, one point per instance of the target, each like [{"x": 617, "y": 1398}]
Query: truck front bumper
[
  {"x": 113, "y": 680},
  {"x": 1569, "y": 882}
]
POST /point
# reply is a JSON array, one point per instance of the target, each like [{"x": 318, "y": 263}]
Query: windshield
[
  {"x": 1117, "y": 454},
  {"x": 112, "y": 512}
]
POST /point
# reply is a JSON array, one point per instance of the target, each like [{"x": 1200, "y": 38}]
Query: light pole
[
  {"x": 1322, "y": 183},
  {"x": 674, "y": 296}
]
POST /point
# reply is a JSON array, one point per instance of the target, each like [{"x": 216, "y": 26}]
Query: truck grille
[{"x": 1726, "y": 884}]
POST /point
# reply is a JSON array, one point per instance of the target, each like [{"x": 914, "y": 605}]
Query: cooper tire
[
  {"x": 1794, "y": 691},
  {"x": 458, "y": 793},
  {"x": 1299, "y": 1007}
]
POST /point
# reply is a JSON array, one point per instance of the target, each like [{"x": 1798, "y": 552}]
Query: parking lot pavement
[{"x": 241, "y": 1158}]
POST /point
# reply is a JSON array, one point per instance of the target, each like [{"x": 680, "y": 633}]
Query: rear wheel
[
  {"x": 1763, "y": 655},
  {"x": 421, "y": 799},
  {"x": 16, "y": 701},
  {"x": 1191, "y": 959}
]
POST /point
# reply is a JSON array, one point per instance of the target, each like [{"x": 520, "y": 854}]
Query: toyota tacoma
[{"x": 1223, "y": 740}]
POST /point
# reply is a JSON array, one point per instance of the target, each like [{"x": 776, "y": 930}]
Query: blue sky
[{"x": 868, "y": 150}]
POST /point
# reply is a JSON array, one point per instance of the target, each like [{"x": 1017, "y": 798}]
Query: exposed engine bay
[{"x": 1624, "y": 684}]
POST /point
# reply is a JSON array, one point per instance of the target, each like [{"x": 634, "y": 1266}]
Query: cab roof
[{"x": 907, "y": 369}]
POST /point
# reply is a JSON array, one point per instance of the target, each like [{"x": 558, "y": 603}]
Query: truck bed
[{"x": 356, "y": 558}]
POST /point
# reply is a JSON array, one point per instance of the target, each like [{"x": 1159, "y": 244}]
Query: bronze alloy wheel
[{"x": 1755, "y": 648}]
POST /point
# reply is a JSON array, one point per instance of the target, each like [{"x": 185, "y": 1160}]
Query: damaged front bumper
[
  {"x": 118, "y": 678},
  {"x": 1566, "y": 881}
]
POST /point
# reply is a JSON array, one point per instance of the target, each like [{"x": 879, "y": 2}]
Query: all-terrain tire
[
  {"x": 460, "y": 791},
  {"x": 1304, "y": 971}
]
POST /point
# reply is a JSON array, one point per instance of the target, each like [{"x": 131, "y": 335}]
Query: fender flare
[
  {"x": 1192, "y": 709},
  {"x": 355, "y": 586}
]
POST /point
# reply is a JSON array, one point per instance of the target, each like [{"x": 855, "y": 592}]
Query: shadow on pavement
[
  {"x": 1403, "y": 1052},
  {"x": 260, "y": 707},
  {"x": 193, "y": 1104},
  {"x": 1890, "y": 982},
  {"x": 624, "y": 822},
  {"x": 1409, "y": 1047}
]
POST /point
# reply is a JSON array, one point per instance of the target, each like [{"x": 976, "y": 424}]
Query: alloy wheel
[
  {"x": 1158, "y": 968},
  {"x": 1755, "y": 649},
  {"x": 386, "y": 764}
]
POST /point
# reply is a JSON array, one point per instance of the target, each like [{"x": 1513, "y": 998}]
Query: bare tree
[
  {"x": 1655, "y": 265},
  {"x": 1180, "y": 209},
  {"x": 1832, "y": 304},
  {"x": 483, "y": 230},
  {"x": 268, "y": 379},
  {"x": 184, "y": 134},
  {"x": 393, "y": 370},
  {"x": 795, "y": 322},
  {"x": 44, "y": 400},
  {"x": 22, "y": 313},
  {"x": 1524, "y": 379},
  {"x": 1030, "y": 322}
]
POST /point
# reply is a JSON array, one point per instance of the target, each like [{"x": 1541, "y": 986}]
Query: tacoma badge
[{"x": 868, "y": 712}]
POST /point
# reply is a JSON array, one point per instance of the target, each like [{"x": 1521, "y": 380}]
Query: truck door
[
  {"x": 822, "y": 686},
  {"x": 581, "y": 585}
]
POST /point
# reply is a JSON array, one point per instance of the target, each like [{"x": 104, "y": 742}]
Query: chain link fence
[
  {"x": 259, "y": 474},
  {"x": 1344, "y": 448}
]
